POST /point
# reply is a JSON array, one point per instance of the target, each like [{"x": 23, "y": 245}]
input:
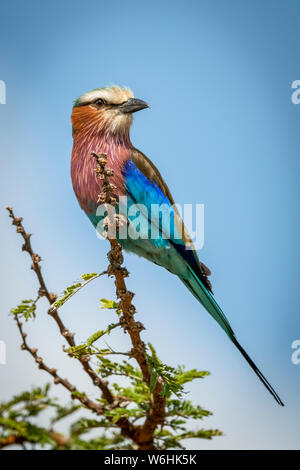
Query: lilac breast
[{"x": 87, "y": 186}]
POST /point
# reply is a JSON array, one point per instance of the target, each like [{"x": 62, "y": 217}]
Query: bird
[{"x": 101, "y": 121}]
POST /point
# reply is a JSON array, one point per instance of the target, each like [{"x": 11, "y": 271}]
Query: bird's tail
[{"x": 197, "y": 288}]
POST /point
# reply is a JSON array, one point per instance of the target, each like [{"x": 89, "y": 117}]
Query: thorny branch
[
  {"x": 51, "y": 297},
  {"x": 141, "y": 435},
  {"x": 93, "y": 406},
  {"x": 157, "y": 408}
]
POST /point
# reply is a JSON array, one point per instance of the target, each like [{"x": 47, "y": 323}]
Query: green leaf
[
  {"x": 111, "y": 304},
  {"x": 87, "y": 277},
  {"x": 25, "y": 310},
  {"x": 73, "y": 289},
  {"x": 153, "y": 381},
  {"x": 95, "y": 336}
]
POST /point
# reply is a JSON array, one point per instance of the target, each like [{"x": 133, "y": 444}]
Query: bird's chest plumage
[{"x": 87, "y": 186}]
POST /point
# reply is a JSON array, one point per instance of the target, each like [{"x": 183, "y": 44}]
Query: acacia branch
[
  {"x": 51, "y": 297},
  {"x": 156, "y": 412},
  {"x": 75, "y": 394},
  {"x": 14, "y": 439},
  {"x": 142, "y": 435},
  {"x": 126, "y": 427},
  {"x": 152, "y": 370}
]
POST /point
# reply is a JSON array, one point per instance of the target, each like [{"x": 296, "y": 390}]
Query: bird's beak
[{"x": 133, "y": 105}]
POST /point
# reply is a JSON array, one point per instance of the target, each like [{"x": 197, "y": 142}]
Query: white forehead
[{"x": 114, "y": 95}]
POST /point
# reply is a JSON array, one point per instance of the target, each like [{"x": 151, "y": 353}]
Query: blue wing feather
[{"x": 148, "y": 193}]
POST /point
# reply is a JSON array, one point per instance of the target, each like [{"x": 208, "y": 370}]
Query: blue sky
[{"x": 218, "y": 78}]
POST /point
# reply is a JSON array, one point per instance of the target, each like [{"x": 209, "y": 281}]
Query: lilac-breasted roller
[{"x": 101, "y": 121}]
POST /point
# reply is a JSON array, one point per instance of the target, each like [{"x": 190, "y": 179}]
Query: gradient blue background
[{"x": 218, "y": 78}]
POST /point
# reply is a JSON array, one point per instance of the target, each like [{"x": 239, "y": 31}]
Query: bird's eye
[{"x": 99, "y": 102}]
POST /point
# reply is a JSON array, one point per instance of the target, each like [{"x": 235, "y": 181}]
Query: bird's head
[{"x": 105, "y": 110}]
